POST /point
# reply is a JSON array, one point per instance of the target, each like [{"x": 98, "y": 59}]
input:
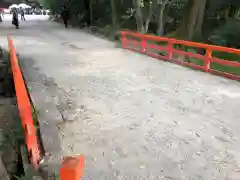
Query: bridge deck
[{"x": 132, "y": 117}]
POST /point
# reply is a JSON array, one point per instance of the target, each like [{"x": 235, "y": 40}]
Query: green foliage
[
  {"x": 227, "y": 35},
  {"x": 226, "y": 56},
  {"x": 12, "y": 134},
  {"x": 35, "y": 116},
  {"x": 53, "y": 5}
]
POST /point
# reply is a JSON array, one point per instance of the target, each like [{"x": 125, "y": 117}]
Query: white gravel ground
[{"x": 134, "y": 117}]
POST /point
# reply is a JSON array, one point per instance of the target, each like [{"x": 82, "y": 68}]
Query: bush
[{"x": 227, "y": 35}]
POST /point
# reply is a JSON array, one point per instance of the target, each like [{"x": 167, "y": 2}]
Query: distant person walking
[
  {"x": 15, "y": 21},
  {"x": 22, "y": 14},
  {"x": 65, "y": 16},
  {"x": 1, "y": 15}
]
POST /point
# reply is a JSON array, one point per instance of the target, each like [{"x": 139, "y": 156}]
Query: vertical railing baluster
[
  {"x": 207, "y": 62},
  {"x": 143, "y": 45},
  {"x": 170, "y": 50},
  {"x": 124, "y": 40}
]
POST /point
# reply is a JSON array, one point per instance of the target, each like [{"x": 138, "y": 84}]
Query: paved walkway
[{"x": 133, "y": 117}]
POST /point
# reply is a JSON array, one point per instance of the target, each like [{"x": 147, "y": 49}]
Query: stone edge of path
[{"x": 48, "y": 115}]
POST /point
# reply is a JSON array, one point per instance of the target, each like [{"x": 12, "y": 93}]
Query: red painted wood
[
  {"x": 24, "y": 107},
  {"x": 224, "y": 74},
  {"x": 226, "y": 62},
  {"x": 207, "y": 62},
  {"x": 187, "y": 64},
  {"x": 189, "y": 54},
  {"x": 157, "y": 47},
  {"x": 143, "y": 46},
  {"x": 132, "y": 42},
  {"x": 182, "y": 42},
  {"x": 72, "y": 168},
  {"x": 169, "y": 48}
]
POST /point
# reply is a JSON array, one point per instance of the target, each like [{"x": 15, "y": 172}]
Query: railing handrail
[
  {"x": 182, "y": 42},
  {"x": 24, "y": 107},
  {"x": 137, "y": 40}
]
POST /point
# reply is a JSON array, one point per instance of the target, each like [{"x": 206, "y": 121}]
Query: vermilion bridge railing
[
  {"x": 72, "y": 167},
  {"x": 155, "y": 45},
  {"x": 24, "y": 107}
]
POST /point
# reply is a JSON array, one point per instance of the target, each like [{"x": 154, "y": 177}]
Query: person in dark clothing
[
  {"x": 15, "y": 21},
  {"x": 65, "y": 16},
  {"x": 1, "y": 15},
  {"x": 22, "y": 14}
]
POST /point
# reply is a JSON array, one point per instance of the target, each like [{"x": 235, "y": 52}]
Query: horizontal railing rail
[
  {"x": 152, "y": 46},
  {"x": 24, "y": 107}
]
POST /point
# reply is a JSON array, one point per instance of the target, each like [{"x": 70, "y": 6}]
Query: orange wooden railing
[
  {"x": 72, "y": 167},
  {"x": 144, "y": 43},
  {"x": 24, "y": 107}
]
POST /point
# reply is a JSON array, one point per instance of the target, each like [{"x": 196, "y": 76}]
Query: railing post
[
  {"x": 143, "y": 45},
  {"x": 124, "y": 40},
  {"x": 72, "y": 168},
  {"x": 207, "y": 62},
  {"x": 170, "y": 50}
]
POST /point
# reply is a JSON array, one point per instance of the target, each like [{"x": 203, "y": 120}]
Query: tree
[
  {"x": 183, "y": 19},
  {"x": 114, "y": 14},
  {"x": 138, "y": 4},
  {"x": 161, "y": 20},
  {"x": 88, "y": 10},
  {"x": 149, "y": 16},
  {"x": 194, "y": 11},
  {"x": 54, "y": 5},
  {"x": 144, "y": 12},
  {"x": 199, "y": 20}
]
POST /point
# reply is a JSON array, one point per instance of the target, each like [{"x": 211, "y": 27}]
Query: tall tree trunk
[
  {"x": 236, "y": 15},
  {"x": 91, "y": 11},
  {"x": 115, "y": 22},
  {"x": 160, "y": 27},
  {"x": 138, "y": 15},
  {"x": 187, "y": 27},
  {"x": 149, "y": 16},
  {"x": 233, "y": 11},
  {"x": 114, "y": 14},
  {"x": 88, "y": 12},
  {"x": 226, "y": 14},
  {"x": 199, "y": 20},
  {"x": 161, "y": 20}
]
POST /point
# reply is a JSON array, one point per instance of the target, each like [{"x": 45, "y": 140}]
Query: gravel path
[{"x": 134, "y": 117}]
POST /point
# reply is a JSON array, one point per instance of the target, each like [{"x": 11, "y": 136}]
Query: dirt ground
[{"x": 131, "y": 116}]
